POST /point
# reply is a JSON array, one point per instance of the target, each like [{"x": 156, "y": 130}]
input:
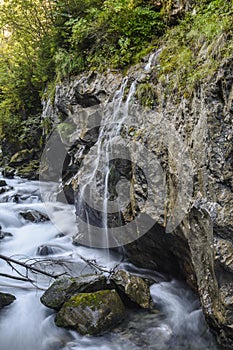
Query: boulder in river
[
  {"x": 92, "y": 313},
  {"x": 4, "y": 189},
  {"x": 3, "y": 183},
  {"x": 6, "y": 299},
  {"x": 63, "y": 288},
  {"x": 132, "y": 289},
  {"x": 34, "y": 216}
]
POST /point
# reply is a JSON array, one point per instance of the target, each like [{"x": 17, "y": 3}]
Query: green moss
[
  {"x": 146, "y": 95},
  {"x": 92, "y": 300},
  {"x": 194, "y": 49}
]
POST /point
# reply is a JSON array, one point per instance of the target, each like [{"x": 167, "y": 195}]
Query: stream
[{"x": 176, "y": 322}]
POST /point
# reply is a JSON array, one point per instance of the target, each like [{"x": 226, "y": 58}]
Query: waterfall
[{"x": 95, "y": 205}]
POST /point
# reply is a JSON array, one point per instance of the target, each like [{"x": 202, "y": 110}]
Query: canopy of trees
[{"x": 43, "y": 41}]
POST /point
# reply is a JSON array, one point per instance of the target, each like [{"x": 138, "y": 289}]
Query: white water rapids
[{"x": 176, "y": 323}]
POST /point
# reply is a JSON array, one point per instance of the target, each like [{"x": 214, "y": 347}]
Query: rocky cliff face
[{"x": 187, "y": 147}]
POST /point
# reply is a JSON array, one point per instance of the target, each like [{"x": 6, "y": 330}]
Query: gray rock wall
[{"x": 191, "y": 138}]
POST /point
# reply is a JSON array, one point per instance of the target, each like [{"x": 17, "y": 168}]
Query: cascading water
[
  {"x": 95, "y": 204},
  {"x": 27, "y": 324}
]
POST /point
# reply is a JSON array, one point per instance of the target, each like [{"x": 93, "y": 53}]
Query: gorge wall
[{"x": 191, "y": 137}]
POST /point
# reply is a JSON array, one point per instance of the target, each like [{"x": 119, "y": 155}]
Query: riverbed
[{"x": 176, "y": 322}]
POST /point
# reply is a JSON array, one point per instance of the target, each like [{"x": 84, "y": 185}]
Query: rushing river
[{"x": 176, "y": 322}]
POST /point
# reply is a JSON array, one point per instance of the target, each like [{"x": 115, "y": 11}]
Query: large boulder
[
  {"x": 63, "y": 288},
  {"x": 6, "y": 299},
  {"x": 134, "y": 287},
  {"x": 92, "y": 313},
  {"x": 133, "y": 290}
]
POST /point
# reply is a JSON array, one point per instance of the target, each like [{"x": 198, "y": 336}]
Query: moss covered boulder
[
  {"x": 92, "y": 313},
  {"x": 63, "y": 288},
  {"x": 134, "y": 288},
  {"x": 6, "y": 299}
]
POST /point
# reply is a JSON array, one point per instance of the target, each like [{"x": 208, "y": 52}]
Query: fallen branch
[
  {"x": 92, "y": 263},
  {"x": 27, "y": 267},
  {"x": 17, "y": 278}
]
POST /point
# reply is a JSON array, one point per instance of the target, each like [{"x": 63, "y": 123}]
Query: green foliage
[
  {"x": 45, "y": 41},
  {"x": 146, "y": 95},
  {"x": 195, "y": 48},
  {"x": 25, "y": 65},
  {"x": 113, "y": 33}
]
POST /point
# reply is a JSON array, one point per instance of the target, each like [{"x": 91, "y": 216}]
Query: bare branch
[
  {"x": 17, "y": 278},
  {"x": 28, "y": 267}
]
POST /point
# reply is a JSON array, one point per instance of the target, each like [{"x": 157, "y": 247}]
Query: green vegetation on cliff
[{"x": 44, "y": 41}]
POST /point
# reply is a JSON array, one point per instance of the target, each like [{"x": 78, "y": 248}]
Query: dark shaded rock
[
  {"x": 6, "y": 299},
  {"x": 60, "y": 235},
  {"x": 3, "y": 183},
  {"x": 34, "y": 216},
  {"x": 134, "y": 287},
  {"x": 66, "y": 195},
  {"x": 5, "y": 234},
  {"x": 92, "y": 313},
  {"x": 86, "y": 100},
  {"x": 5, "y": 189},
  {"x": 44, "y": 250},
  {"x": 63, "y": 288},
  {"x": 20, "y": 157},
  {"x": 8, "y": 172}
]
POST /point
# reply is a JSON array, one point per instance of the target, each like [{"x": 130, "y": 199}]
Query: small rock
[
  {"x": 44, "y": 250},
  {"x": 63, "y": 288},
  {"x": 5, "y": 189},
  {"x": 8, "y": 172},
  {"x": 3, "y": 183},
  {"x": 134, "y": 287},
  {"x": 92, "y": 313},
  {"x": 6, "y": 299},
  {"x": 34, "y": 216},
  {"x": 5, "y": 234}
]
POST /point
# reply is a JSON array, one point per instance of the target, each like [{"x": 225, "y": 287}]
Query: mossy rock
[
  {"x": 63, "y": 288},
  {"x": 6, "y": 299},
  {"x": 20, "y": 157},
  {"x": 92, "y": 313},
  {"x": 134, "y": 288},
  {"x": 29, "y": 170}
]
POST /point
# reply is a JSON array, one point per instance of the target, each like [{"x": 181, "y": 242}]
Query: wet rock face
[
  {"x": 34, "y": 216},
  {"x": 6, "y": 299},
  {"x": 92, "y": 313},
  {"x": 192, "y": 139}
]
